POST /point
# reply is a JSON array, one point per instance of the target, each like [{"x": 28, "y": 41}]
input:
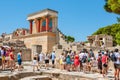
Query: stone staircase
[{"x": 61, "y": 42}]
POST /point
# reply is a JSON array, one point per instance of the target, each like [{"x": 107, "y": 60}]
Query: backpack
[
  {"x": 84, "y": 58},
  {"x": 99, "y": 60},
  {"x": 4, "y": 53},
  {"x": 0, "y": 53},
  {"x": 51, "y": 56},
  {"x": 113, "y": 57},
  {"x": 91, "y": 54}
]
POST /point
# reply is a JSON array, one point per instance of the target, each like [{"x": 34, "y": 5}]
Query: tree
[
  {"x": 112, "y": 6},
  {"x": 69, "y": 38},
  {"x": 118, "y": 38},
  {"x": 118, "y": 19}
]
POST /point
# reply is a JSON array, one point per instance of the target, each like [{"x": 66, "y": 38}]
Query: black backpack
[
  {"x": 84, "y": 58},
  {"x": 0, "y": 53},
  {"x": 113, "y": 57}
]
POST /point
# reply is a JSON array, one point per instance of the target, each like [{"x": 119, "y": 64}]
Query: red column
[
  {"x": 31, "y": 24},
  {"x": 39, "y": 23},
  {"x": 47, "y": 23}
]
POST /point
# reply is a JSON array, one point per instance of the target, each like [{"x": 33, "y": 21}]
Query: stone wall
[
  {"x": 44, "y": 39},
  {"x": 26, "y": 54}
]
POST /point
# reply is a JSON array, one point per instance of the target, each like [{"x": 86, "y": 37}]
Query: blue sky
[{"x": 78, "y": 18}]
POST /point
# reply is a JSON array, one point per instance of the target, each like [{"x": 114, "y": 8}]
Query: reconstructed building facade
[
  {"x": 41, "y": 35},
  {"x": 100, "y": 40}
]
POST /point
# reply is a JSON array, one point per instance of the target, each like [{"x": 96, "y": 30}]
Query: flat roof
[{"x": 42, "y": 11}]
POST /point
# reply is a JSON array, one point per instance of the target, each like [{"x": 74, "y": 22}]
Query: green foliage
[
  {"x": 113, "y": 30},
  {"x": 118, "y": 19},
  {"x": 86, "y": 41},
  {"x": 112, "y": 6},
  {"x": 69, "y": 38},
  {"x": 118, "y": 38}
]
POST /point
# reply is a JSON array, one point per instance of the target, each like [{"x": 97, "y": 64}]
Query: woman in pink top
[
  {"x": 104, "y": 64},
  {"x": 76, "y": 62},
  {"x": 12, "y": 62}
]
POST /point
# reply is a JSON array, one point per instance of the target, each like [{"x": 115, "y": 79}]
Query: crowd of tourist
[
  {"x": 7, "y": 58},
  {"x": 84, "y": 60}
]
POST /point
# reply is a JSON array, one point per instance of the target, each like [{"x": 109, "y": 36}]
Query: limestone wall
[
  {"x": 26, "y": 54},
  {"x": 45, "y": 39}
]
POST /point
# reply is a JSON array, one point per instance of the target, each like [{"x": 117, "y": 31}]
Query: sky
[{"x": 77, "y": 18}]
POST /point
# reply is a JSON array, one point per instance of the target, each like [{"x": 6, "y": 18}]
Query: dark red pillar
[
  {"x": 47, "y": 23},
  {"x": 39, "y": 25},
  {"x": 31, "y": 24}
]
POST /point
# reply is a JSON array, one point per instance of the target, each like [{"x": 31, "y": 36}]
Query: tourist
[
  {"x": 104, "y": 64},
  {"x": 97, "y": 54},
  {"x": 68, "y": 62},
  {"x": 117, "y": 64},
  {"x": 89, "y": 63},
  {"x": 61, "y": 61},
  {"x": 3, "y": 54},
  {"x": 91, "y": 53},
  {"x": 47, "y": 57},
  {"x": 80, "y": 59},
  {"x": 72, "y": 62},
  {"x": 76, "y": 62},
  {"x": 41, "y": 59},
  {"x": 19, "y": 59},
  {"x": 53, "y": 58},
  {"x": 99, "y": 63},
  {"x": 12, "y": 60},
  {"x": 0, "y": 57},
  {"x": 35, "y": 63},
  {"x": 84, "y": 60},
  {"x": 7, "y": 58}
]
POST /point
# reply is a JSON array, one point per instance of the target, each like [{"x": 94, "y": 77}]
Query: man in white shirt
[
  {"x": 41, "y": 59},
  {"x": 117, "y": 64},
  {"x": 53, "y": 58}
]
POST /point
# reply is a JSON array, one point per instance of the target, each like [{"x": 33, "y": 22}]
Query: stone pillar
[
  {"x": 39, "y": 25},
  {"x": 56, "y": 24},
  {"x": 36, "y": 25},
  {"x": 53, "y": 25},
  {"x": 31, "y": 25},
  {"x": 47, "y": 23}
]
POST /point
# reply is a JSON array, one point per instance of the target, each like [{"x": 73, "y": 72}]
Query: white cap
[{"x": 105, "y": 52}]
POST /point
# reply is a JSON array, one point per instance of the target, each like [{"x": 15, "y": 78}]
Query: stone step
[{"x": 36, "y": 78}]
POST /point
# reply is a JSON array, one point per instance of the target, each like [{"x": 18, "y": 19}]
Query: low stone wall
[
  {"x": 59, "y": 76},
  {"x": 50, "y": 75}
]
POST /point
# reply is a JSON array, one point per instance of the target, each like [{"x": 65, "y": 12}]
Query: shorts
[
  {"x": 116, "y": 66},
  {"x": 53, "y": 61},
  {"x": 19, "y": 62},
  {"x": 100, "y": 66},
  {"x": 46, "y": 61},
  {"x": 68, "y": 62},
  {"x": 104, "y": 66},
  {"x": 3, "y": 58},
  {"x": 61, "y": 61}
]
